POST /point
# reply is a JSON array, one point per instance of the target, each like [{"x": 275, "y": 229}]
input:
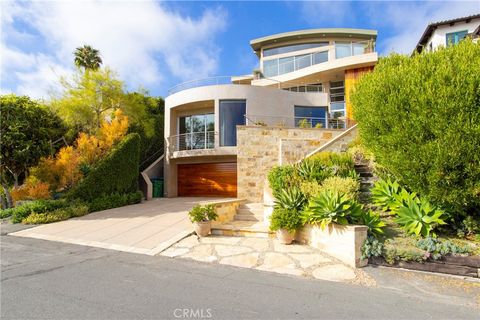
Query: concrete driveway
[{"x": 148, "y": 228}]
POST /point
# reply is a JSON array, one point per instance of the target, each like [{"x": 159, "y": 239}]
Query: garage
[{"x": 207, "y": 179}]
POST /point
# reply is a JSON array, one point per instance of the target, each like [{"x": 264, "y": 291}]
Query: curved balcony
[{"x": 204, "y": 82}]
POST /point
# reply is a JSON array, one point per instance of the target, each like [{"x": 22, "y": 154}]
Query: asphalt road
[{"x": 50, "y": 280}]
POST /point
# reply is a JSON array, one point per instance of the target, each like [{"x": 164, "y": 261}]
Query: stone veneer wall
[{"x": 260, "y": 148}]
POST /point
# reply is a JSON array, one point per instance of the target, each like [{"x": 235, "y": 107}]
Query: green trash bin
[{"x": 157, "y": 187}]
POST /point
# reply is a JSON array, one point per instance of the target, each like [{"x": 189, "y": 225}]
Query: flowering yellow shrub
[
  {"x": 64, "y": 170},
  {"x": 32, "y": 189}
]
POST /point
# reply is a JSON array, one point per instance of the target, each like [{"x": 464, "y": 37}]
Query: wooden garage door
[{"x": 207, "y": 179}]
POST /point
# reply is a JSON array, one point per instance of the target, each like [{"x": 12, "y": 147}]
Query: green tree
[
  {"x": 91, "y": 96},
  {"x": 27, "y": 130},
  {"x": 420, "y": 116},
  {"x": 149, "y": 126},
  {"x": 87, "y": 58}
]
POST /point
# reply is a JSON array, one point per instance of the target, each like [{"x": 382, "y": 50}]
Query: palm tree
[{"x": 87, "y": 57}]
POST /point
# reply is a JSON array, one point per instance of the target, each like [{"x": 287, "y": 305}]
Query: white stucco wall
[{"x": 439, "y": 38}]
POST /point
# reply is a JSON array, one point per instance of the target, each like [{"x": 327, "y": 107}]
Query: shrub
[
  {"x": 347, "y": 186},
  {"x": 392, "y": 253},
  {"x": 56, "y": 215},
  {"x": 419, "y": 217},
  {"x": 310, "y": 188},
  {"x": 291, "y": 199},
  {"x": 285, "y": 219},
  {"x": 331, "y": 207},
  {"x": 373, "y": 222},
  {"x": 281, "y": 178},
  {"x": 114, "y": 201},
  {"x": 32, "y": 189},
  {"x": 420, "y": 117},
  {"x": 340, "y": 163},
  {"x": 201, "y": 213},
  {"x": 40, "y": 206},
  {"x": 384, "y": 194},
  {"x": 372, "y": 247},
  {"x": 117, "y": 173},
  {"x": 437, "y": 249}
]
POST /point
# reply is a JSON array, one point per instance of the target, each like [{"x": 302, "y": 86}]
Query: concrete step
[
  {"x": 247, "y": 217},
  {"x": 365, "y": 174},
  {"x": 250, "y": 211}
]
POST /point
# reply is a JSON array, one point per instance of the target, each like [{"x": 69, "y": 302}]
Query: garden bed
[{"x": 460, "y": 266}]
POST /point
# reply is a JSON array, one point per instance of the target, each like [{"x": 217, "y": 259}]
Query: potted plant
[
  {"x": 202, "y": 217},
  {"x": 285, "y": 222}
]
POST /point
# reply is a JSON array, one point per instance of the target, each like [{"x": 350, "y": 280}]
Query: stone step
[
  {"x": 365, "y": 174},
  {"x": 243, "y": 229},
  {"x": 247, "y": 217},
  {"x": 251, "y": 211},
  {"x": 252, "y": 205}
]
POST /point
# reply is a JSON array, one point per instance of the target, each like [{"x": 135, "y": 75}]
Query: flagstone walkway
[{"x": 267, "y": 255}]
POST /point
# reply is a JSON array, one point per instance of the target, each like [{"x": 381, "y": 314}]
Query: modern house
[
  {"x": 224, "y": 133},
  {"x": 448, "y": 32}
]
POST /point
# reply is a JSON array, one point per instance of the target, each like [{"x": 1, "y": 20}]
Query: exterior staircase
[
  {"x": 367, "y": 179},
  {"x": 249, "y": 212},
  {"x": 247, "y": 222}
]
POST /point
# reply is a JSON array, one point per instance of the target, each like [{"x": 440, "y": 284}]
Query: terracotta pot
[
  {"x": 285, "y": 236},
  {"x": 202, "y": 229}
]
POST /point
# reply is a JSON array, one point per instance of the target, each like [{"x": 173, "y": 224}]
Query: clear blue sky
[{"x": 156, "y": 45}]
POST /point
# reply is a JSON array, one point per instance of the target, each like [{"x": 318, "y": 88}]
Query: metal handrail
[{"x": 192, "y": 141}]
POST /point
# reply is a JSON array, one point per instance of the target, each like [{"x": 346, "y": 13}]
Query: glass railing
[
  {"x": 211, "y": 81},
  {"x": 299, "y": 122},
  {"x": 192, "y": 141}
]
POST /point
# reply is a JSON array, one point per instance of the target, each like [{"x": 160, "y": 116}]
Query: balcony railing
[
  {"x": 299, "y": 122},
  {"x": 192, "y": 141},
  {"x": 211, "y": 81}
]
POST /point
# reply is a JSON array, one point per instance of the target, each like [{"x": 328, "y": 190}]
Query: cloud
[
  {"x": 144, "y": 41},
  {"x": 402, "y": 21}
]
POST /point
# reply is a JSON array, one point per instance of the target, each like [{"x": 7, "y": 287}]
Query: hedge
[
  {"x": 117, "y": 173},
  {"x": 420, "y": 116}
]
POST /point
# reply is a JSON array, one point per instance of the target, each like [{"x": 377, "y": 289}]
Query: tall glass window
[
  {"x": 232, "y": 113},
  {"x": 286, "y": 65},
  {"x": 320, "y": 57},
  {"x": 275, "y": 67},
  {"x": 455, "y": 37},
  {"x": 270, "y": 68},
  {"x": 196, "y": 131},
  {"x": 337, "y": 99}
]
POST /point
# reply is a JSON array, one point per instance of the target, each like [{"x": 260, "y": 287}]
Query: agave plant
[
  {"x": 291, "y": 198},
  {"x": 312, "y": 170},
  {"x": 373, "y": 222},
  {"x": 331, "y": 207},
  {"x": 419, "y": 217},
  {"x": 384, "y": 194}
]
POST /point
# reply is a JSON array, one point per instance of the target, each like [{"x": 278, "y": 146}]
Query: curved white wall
[{"x": 265, "y": 101}]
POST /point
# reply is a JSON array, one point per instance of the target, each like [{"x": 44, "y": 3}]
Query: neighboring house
[
  {"x": 448, "y": 32},
  {"x": 304, "y": 81}
]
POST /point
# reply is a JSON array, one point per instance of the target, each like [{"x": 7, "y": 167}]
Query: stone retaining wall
[
  {"x": 260, "y": 148},
  {"x": 226, "y": 209},
  {"x": 341, "y": 242}
]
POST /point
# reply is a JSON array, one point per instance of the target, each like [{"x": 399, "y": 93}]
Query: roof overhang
[{"x": 366, "y": 34}]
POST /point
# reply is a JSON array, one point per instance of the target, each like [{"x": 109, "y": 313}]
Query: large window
[
  {"x": 347, "y": 48},
  {"x": 275, "y": 67},
  {"x": 232, "y": 113},
  {"x": 455, "y": 37},
  {"x": 310, "y": 117},
  {"x": 292, "y": 48},
  {"x": 196, "y": 132}
]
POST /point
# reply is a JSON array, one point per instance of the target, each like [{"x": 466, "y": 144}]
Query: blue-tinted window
[
  {"x": 232, "y": 113},
  {"x": 455, "y": 37},
  {"x": 310, "y": 116},
  {"x": 343, "y": 49},
  {"x": 320, "y": 57},
  {"x": 270, "y": 68},
  {"x": 292, "y": 48}
]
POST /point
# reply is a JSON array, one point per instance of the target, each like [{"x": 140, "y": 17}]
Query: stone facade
[
  {"x": 225, "y": 209},
  {"x": 260, "y": 148}
]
